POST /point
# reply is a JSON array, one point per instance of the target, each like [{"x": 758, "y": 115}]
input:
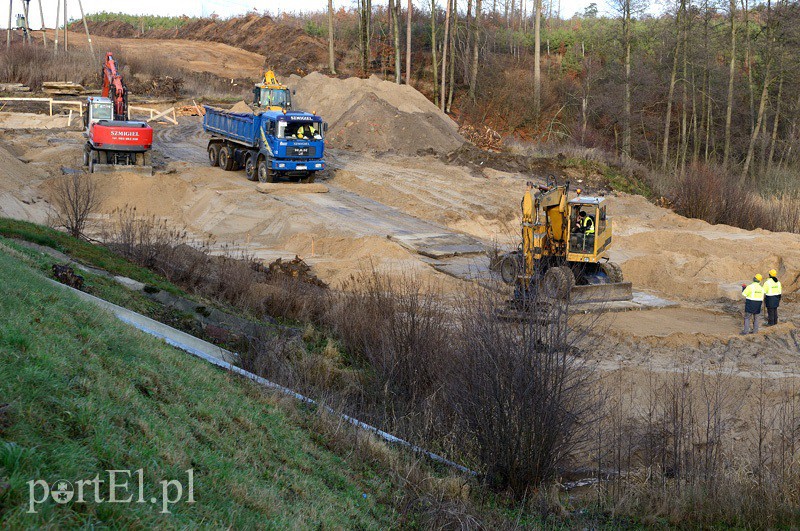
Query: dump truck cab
[
  {"x": 272, "y": 95},
  {"x": 588, "y": 246}
]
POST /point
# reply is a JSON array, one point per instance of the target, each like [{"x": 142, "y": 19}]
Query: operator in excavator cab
[{"x": 584, "y": 226}]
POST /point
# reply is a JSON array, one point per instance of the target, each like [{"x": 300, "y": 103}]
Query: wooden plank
[{"x": 164, "y": 116}]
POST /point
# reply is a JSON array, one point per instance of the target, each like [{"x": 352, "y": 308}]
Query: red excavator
[{"x": 114, "y": 142}]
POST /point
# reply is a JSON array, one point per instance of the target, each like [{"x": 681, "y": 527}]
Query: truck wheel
[
  {"x": 250, "y": 169},
  {"x": 613, "y": 271},
  {"x": 265, "y": 173},
  {"x": 308, "y": 179},
  {"x": 213, "y": 154},
  {"x": 558, "y": 282},
  {"x": 226, "y": 161}
]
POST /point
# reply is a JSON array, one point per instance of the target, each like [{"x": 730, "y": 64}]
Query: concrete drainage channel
[{"x": 225, "y": 359}]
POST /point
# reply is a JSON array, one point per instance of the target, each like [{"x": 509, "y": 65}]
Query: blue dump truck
[{"x": 268, "y": 145}]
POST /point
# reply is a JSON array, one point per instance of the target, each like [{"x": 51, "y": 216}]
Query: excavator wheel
[
  {"x": 250, "y": 168},
  {"x": 510, "y": 267},
  {"x": 226, "y": 160},
  {"x": 213, "y": 154},
  {"x": 612, "y": 271},
  {"x": 558, "y": 282},
  {"x": 265, "y": 173}
]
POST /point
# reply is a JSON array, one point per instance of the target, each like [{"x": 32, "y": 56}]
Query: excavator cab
[
  {"x": 271, "y": 95},
  {"x": 590, "y": 233}
]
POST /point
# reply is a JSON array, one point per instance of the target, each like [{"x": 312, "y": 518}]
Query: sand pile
[
  {"x": 242, "y": 107},
  {"x": 17, "y": 197},
  {"x": 376, "y": 116},
  {"x": 689, "y": 259}
]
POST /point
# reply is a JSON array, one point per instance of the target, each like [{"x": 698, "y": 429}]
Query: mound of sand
[
  {"x": 376, "y": 116},
  {"x": 17, "y": 198}
]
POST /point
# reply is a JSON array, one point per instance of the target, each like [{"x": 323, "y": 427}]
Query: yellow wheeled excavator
[{"x": 563, "y": 254}]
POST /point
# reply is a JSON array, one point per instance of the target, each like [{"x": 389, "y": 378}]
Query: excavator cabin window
[
  {"x": 274, "y": 98},
  {"x": 102, "y": 111},
  {"x": 580, "y": 240}
]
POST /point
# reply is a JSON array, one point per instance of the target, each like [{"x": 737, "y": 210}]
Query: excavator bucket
[
  {"x": 118, "y": 168},
  {"x": 599, "y": 293}
]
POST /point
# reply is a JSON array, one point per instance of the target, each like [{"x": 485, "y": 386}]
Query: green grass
[
  {"x": 82, "y": 251},
  {"x": 89, "y": 394}
]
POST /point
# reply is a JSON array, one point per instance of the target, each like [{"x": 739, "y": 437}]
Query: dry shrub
[
  {"x": 397, "y": 326},
  {"x": 75, "y": 198},
  {"x": 33, "y": 65},
  {"x": 712, "y": 195},
  {"x": 521, "y": 395},
  {"x": 679, "y": 454}
]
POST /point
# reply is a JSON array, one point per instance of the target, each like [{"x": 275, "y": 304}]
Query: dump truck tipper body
[{"x": 267, "y": 145}]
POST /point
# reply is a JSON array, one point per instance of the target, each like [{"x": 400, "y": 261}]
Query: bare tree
[
  {"x": 433, "y": 54},
  {"x": 445, "y": 44},
  {"x": 668, "y": 117},
  {"x": 398, "y": 74},
  {"x": 331, "y": 54},
  {"x": 731, "y": 76},
  {"x": 537, "y": 58},
  {"x": 626, "y": 99},
  {"x": 76, "y": 198},
  {"x": 476, "y": 37},
  {"x": 408, "y": 42}
]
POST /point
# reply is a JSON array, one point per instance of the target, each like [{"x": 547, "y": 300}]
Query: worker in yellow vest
[
  {"x": 754, "y": 298},
  {"x": 772, "y": 297}
]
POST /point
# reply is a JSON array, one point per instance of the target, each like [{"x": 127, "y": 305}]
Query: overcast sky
[{"x": 224, "y": 8}]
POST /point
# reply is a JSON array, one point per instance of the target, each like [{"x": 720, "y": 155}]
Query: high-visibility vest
[
  {"x": 754, "y": 292},
  {"x": 772, "y": 287},
  {"x": 588, "y": 225}
]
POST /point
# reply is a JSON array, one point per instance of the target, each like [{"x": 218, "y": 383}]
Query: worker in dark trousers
[
  {"x": 754, "y": 298},
  {"x": 772, "y": 297}
]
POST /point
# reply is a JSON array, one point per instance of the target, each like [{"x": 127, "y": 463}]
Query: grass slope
[{"x": 88, "y": 394}]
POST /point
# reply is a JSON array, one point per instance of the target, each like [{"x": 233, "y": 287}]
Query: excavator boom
[{"x": 114, "y": 88}]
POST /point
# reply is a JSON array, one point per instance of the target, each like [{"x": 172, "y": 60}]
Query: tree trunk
[
  {"x": 774, "y": 138},
  {"x": 398, "y": 60},
  {"x": 748, "y": 62},
  {"x": 537, "y": 58},
  {"x": 433, "y": 54},
  {"x": 445, "y": 50},
  {"x": 468, "y": 45},
  {"x": 408, "y": 42},
  {"x": 626, "y": 116},
  {"x": 331, "y": 54},
  {"x": 764, "y": 95},
  {"x": 731, "y": 75},
  {"x": 476, "y": 37},
  {"x": 759, "y": 118},
  {"x": 685, "y": 98},
  {"x": 454, "y": 24},
  {"x": 670, "y": 94}
]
